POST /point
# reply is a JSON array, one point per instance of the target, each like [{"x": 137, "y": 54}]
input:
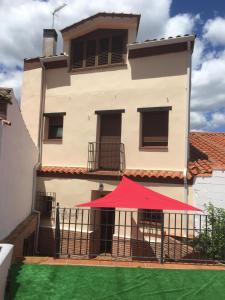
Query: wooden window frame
[
  {"x": 47, "y": 137},
  {"x": 97, "y": 37},
  {"x": 151, "y": 109}
]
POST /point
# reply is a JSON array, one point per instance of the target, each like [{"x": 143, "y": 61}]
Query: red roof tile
[{"x": 207, "y": 152}]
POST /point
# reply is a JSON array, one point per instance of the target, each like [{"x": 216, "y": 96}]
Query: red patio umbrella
[{"x": 130, "y": 194}]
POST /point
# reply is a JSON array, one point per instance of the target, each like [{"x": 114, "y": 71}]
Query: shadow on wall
[
  {"x": 57, "y": 78},
  {"x": 158, "y": 66}
]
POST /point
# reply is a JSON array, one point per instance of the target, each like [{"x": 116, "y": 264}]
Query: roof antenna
[{"x": 55, "y": 11}]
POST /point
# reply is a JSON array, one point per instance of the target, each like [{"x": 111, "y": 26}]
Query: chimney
[{"x": 49, "y": 42}]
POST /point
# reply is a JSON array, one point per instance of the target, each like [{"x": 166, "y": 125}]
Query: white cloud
[
  {"x": 198, "y": 121},
  {"x": 181, "y": 24},
  {"x": 214, "y": 31},
  {"x": 217, "y": 119},
  {"x": 208, "y": 91},
  {"x": 22, "y": 23},
  {"x": 12, "y": 79}
]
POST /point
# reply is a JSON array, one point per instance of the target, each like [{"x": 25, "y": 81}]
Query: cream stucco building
[{"x": 109, "y": 106}]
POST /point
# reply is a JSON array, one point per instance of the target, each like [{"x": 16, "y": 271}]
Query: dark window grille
[
  {"x": 91, "y": 53},
  {"x": 117, "y": 49},
  {"x": 103, "y": 47},
  {"x": 3, "y": 110},
  {"x": 154, "y": 129},
  {"x": 147, "y": 215},
  {"x": 103, "y": 51},
  {"x": 78, "y": 50},
  {"x": 55, "y": 129}
]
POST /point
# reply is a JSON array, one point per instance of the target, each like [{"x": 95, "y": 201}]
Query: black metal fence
[
  {"x": 106, "y": 156},
  {"x": 142, "y": 235}
]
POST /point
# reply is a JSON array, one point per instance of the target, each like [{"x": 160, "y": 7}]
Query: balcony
[{"x": 106, "y": 157}]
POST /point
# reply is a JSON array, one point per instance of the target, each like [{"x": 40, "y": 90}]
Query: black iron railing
[
  {"x": 46, "y": 204},
  {"x": 106, "y": 156},
  {"x": 130, "y": 235}
]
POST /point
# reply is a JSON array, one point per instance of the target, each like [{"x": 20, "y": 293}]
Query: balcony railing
[{"x": 106, "y": 156}]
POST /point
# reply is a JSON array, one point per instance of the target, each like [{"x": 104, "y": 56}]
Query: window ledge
[
  {"x": 52, "y": 141},
  {"x": 154, "y": 149},
  {"x": 76, "y": 70}
]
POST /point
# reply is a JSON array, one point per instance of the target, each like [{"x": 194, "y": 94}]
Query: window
[
  {"x": 55, "y": 130},
  {"x": 78, "y": 54},
  {"x": 99, "y": 48},
  {"x": 3, "y": 110},
  {"x": 153, "y": 217},
  {"x": 90, "y": 53},
  {"x": 53, "y": 126},
  {"x": 154, "y": 128}
]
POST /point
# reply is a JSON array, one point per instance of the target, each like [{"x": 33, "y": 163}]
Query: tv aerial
[{"x": 57, "y": 9}]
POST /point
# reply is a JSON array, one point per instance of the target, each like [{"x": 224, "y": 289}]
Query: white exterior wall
[
  {"x": 210, "y": 189},
  {"x": 18, "y": 156}
]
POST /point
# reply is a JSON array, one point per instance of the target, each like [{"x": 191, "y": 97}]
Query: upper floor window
[
  {"x": 3, "y": 109},
  {"x": 154, "y": 127},
  {"x": 54, "y": 126},
  {"x": 99, "y": 48}
]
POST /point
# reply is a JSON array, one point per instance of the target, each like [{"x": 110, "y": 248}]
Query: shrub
[{"x": 211, "y": 242}]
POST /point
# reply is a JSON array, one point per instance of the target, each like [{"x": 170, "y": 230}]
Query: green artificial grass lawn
[{"x": 76, "y": 282}]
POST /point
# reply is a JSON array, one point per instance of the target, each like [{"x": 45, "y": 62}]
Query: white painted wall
[
  {"x": 18, "y": 156},
  {"x": 5, "y": 262},
  {"x": 210, "y": 189}
]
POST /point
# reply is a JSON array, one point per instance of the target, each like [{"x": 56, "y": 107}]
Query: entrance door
[
  {"x": 107, "y": 229},
  {"x": 110, "y": 139}
]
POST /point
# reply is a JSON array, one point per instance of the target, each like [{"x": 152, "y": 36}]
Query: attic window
[
  {"x": 3, "y": 109},
  {"x": 99, "y": 48}
]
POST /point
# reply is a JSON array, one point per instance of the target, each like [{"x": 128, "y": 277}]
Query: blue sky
[{"x": 22, "y": 23}]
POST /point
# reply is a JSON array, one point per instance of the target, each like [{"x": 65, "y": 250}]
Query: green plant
[{"x": 211, "y": 242}]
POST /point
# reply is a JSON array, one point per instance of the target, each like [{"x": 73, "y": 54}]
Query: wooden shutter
[
  {"x": 155, "y": 128},
  {"x": 103, "y": 53},
  {"x": 77, "y": 54},
  {"x": 90, "y": 53},
  {"x": 117, "y": 49}
]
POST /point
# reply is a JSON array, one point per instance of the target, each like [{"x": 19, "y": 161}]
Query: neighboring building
[
  {"x": 108, "y": 106},
  {"x": 208, "y": 154},
  {"x": 18, "y": 159}
]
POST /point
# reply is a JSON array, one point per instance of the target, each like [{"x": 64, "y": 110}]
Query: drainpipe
[{"x": 187, "y": 125}]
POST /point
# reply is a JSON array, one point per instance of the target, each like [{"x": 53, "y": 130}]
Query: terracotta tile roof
[
  {"x": 207, "y": 152},
  {"x": 157, "y": 174}
]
